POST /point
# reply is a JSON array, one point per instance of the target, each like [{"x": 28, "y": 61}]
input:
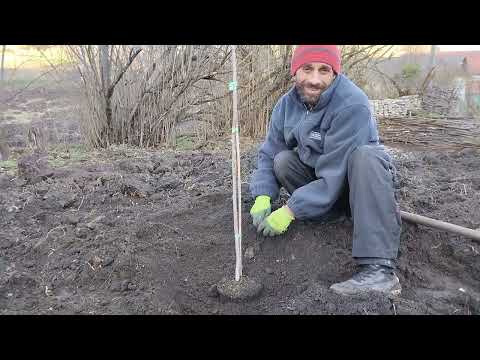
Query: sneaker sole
[{"x": 393, "y": 292}]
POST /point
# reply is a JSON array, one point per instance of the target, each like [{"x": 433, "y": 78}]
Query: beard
[{"x": 307, "y": 97}]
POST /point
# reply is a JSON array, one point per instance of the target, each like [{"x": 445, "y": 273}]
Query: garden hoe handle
[{"x": 423, "y": 220}]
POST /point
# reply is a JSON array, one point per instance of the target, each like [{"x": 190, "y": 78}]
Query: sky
[{"x": 459, "y": 47}]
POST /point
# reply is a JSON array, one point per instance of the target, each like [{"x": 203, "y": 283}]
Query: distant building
[
  {"x": 459, "y": 69},
  {"x": 469, "y": 62}
]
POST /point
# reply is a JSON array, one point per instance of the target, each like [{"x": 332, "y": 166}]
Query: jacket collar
[{"x": 324, "y": 98}]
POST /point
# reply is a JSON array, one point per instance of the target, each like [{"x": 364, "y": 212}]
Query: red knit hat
[{"x": 328, "y": 54}]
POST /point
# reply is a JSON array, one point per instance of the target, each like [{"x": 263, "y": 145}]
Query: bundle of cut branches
[{"x": 431, "y": 132}]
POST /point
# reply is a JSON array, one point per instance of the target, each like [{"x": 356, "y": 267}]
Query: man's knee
[
  {"x": 282, "y": 161},
  {"x": 364, "y": 157}
]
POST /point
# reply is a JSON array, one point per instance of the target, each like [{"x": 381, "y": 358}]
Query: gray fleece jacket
[{"x": 324, "y": 138}]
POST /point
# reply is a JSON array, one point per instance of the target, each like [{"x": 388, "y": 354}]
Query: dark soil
[{"x": 153, "y": 233}]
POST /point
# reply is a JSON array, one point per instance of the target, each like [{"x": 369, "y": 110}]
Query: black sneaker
[{"x": 370, "y": 278}]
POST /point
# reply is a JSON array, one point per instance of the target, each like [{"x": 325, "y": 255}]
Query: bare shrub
[
  {"x": 151, "y": 89},
  {"x": 141, "y": 95}
]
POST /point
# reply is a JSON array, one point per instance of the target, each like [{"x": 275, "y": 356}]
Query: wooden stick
[
  {"x": 237, "y": 207},
  {"x": 422, "y": 220}
]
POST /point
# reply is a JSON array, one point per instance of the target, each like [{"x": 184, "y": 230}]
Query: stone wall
[
  {"x": 400, "y": 107},
  {"x": 440, "y": 101}
]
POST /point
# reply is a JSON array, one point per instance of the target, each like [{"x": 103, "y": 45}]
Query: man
[{"x": 323, "y": 147}]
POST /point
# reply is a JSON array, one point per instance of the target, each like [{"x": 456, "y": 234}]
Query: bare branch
[{"x": 119, "y": 76}]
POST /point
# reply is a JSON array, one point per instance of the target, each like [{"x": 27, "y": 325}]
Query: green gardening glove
[
  {"x": 261, "y": 209},
  {"x": 277, "y": 223}
]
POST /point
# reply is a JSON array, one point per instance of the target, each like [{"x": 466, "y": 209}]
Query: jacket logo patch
[{"x": 315, "y": 135}]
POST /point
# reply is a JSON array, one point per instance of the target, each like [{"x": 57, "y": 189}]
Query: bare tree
[
  {"x": 356, "y": 59},
  {"x": 105, "y": 66}
]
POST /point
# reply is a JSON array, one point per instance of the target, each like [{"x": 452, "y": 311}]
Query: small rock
[
  {"x": 40, "y": 216},
  {"x": 115, "y": 286},
  {"x": 124, "y": 285},
  {"x": 131, "y": 286},
  {"x": 107, "y": 261},
  {"x": 213, "y": 291},
  {"x": 91, "y": 288},
  {"x": 68, "y": 202},
  {"x": 41, "y": 192},
  {"x": 249, "y": 253},
  {"x": 269, "y": 270},
  {"x": 444, "y": 187},
  {"x": 91, "y": 225},
  {"x": 29, "y": 264},
  {"x": 109, "y": 221},
  {"x": 302, "y": 288},
  {"x": 72, "y": 219},
  {"x": 104, "y": 302},
  {"x": 215, "y": 311},
  {"x": 156, "y": 197},
  {"x": 6, "y": 243},
  {"x": 81, "y": 233}
]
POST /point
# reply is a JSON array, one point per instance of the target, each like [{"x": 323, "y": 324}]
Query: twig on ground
[
  {"x": 55, "y": 228},
  {"x": 81, "y": 203},
  {"x": 176, "y": 251}
]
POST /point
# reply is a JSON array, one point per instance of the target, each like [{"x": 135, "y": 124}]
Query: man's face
[{"x": 312, "y": 79}]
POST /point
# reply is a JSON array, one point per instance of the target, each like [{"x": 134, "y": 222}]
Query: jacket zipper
[{"x": 300, "y": 123}]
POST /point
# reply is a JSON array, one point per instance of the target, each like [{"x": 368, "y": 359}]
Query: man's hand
[
  {"x": 277, "y": 223},
  {"x": 261, "y": 209}
]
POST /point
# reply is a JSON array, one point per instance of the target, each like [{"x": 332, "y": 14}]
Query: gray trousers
[{"x": 368, "y": 197}]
